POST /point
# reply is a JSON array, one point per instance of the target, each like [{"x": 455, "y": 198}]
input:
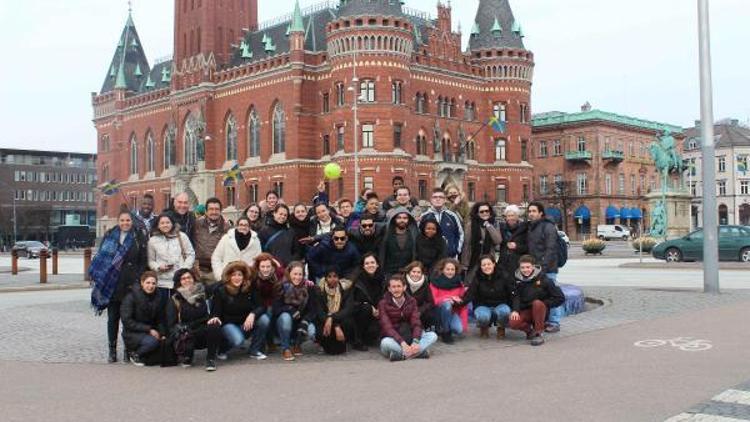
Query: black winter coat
[
  {"x": 133, "y": 265},
  {"x": 321, "y": 307},
  {"x": 368, "y": 289},
  {"x": 490, "y": 291},
  {"x": 430, "y": 251},
  {"x": 194, "y": 316},
  {"x": 282, "y": 245},
  {"x": 535, "y": 287},
  {"x": 542, "y": 241},
  {"x": 508, "y": 259},
  {"x": 140, "y": 313},
  {"x": 234, "y": 309},
  {"x": 424, "y": 298},
  {"x": 367, "y": 244}
]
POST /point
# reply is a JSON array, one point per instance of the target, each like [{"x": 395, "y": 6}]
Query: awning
[
  {"x": 553, "y": 214},
  {"x": 625, "y": 213},
  {"x": 612, "y": 212},
  {"x": 636, "y": 214},
  {"x": 583, "y": 213}
]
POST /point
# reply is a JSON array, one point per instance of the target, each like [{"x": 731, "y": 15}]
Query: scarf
[
  {"x": 445, "y": 283},
  {"x": 333, "y": 297},
  {"x": 106, "y": 266},
  {"x": 242, "y": 239},
  {"x": 194, "y": 295},
  {"x": 295, "y": 295},
  {"x": 415, "y": 285}
]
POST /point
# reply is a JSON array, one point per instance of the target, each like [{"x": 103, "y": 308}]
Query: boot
[
  {"x": 112, "y": 353},
  {"x": 484, "y": 332},
  {"x": 500, "y": 332},
  {"x": 125, "y": 355}
]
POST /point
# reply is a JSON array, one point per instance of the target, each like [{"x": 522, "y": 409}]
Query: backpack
[{"x": 562, "y": 249}]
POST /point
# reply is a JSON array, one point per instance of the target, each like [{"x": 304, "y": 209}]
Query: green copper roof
[
  {"x": 166, "y": 75},
  {"x": 475, "y": 29},
  {"x": 556, "y": 119},
  {"x": 496, "y": 28},
  {"x": 297, "y": 24},
  {"x": 150, "y": 82},
  {"x": 138, "y": 71},
  {"x": 245, "y": 48},
  {"x": 129, "y": 63},
  {"x": 121, "y": 83}
]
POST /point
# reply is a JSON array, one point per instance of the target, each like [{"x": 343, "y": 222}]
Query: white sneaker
[
  {"x": 258, "y": 356},
  {"x": 222, "y": 356}
]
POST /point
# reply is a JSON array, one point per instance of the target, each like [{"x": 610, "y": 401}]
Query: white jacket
[
  {"x": 164, "y": 250},
  {"x": 227, "y": 251}
]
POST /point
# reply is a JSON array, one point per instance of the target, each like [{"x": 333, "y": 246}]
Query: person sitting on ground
[
  {"x": 334, "y": 321},
  {"x": 418, "y": 287},
  {"x": 238, "y": 244},
  {"x": 372, "y": 209},
  {"x": 187, "y": 317},
  {"x": 207, "y": 232},
  {"x": 400, "y": 324},
  {"x": 255, "y": 215},
  {"x": 333, "y": 251},
  {"x": 533, "y": 296},
  {"x": 369, "y": 286},
  {"x": 431, "y": 246},
  {"x": 294, "y": 311},
  {"x": 447, "y": 289},
  {"x": 399, "y": 246},
  {"x": 142, "y": 320},
  {"x": 368, "y": 236},
  {"x": 266, "y": 281},
  {"x": 237, "y": 309},
  {"x": 277, "y": 238},
  {"x": 490, "y": 293},
  {"x": 481, "y": 238}
]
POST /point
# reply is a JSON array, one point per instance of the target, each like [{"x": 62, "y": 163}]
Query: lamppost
[
  {"x": 355, "y": 100},
  {"x": 15, "y": 224}
]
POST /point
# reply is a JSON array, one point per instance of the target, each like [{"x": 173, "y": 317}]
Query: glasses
[
  {"x": 339, "y": 238},
  {"x": 484, "y": 211},
  {"x": 366, "y": 226}
]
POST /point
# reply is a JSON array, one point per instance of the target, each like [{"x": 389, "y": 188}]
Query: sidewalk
[
  {"x": 29, "y": 281},
  {"x": 663, "y": 265}
]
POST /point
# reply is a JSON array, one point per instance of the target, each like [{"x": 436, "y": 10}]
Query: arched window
[
  {"x": 170, "y": 150},
  {"x": 105, "y": 143},
  {"x": 253, "y": 134},
  {"x": 470, "y": 151},
  {"x": 133, "y": 155},
  {"x": 279, "y": 129},
  {"x": 231, "y": 138},
  {"x": 421, "y": 142},
  {"x": 193, "y": 145},
  {"x": 150, "y": 153}
]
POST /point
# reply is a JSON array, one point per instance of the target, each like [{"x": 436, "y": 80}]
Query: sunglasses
[
  {"x": 366, "y": 226},
  {"x": 339, "y": 238},
  {"x": 484, "y": 211}
]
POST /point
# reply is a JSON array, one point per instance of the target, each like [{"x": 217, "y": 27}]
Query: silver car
[{"x": 29, "y": 248}]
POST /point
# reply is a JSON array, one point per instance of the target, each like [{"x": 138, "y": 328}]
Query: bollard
[
  {"x": 14, "y": 262},
  {"x": 55, "y": 253},
  {"x": 86, "y": 264},
  {"x": 43, "y": 266}
]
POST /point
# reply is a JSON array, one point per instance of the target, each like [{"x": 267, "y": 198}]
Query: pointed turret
[
  {"x": 493, "y": 17},
  {"x": 129, "y": 62},
  {"x": 298, "y": 24}
]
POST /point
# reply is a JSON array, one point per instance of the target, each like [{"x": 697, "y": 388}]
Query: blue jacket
[
  {"x": 325, "y": 255},
  {"x": 450, "y": 225}
]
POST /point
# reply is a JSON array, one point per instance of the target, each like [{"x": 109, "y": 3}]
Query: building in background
[
  {"x": 46, "y": 191},
  {"x": 732, "y": 143},
  {"x": 594, "y": 167},
  {"x": 277, "y": 99}
]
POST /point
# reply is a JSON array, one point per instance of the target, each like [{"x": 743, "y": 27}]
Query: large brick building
[
  {"x": 277, "y": 99},
  {"x": 594, "y": 167}
]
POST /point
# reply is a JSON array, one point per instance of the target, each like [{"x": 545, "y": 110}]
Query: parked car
[
  {"x": 612, "y": 231},
  {"x": 29, "y": 248},
  {"x": 734, "y": 244},
  {"x": 564, "y": 237}
]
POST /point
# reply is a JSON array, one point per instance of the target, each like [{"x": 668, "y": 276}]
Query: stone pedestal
[{"x": 678, "y": 211}]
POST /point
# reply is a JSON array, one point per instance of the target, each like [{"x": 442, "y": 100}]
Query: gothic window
[
  {"x": 169, "y": 148},
  {"x": 133, "y": 155},
  {"x": 421, "y": 144},
  {"x": 367, "y": 91},
  {"x": 279, "y": 129},
  {"x": 340, "y": 138},
  {"x": 231, "y": 138},
  {"x": 500, "y": 150},
  {"x": 524, "y": 150},
  {"x": 397, "y": 132},
  {"x": 340, "y": 94},
  {"x": 499, "y": 110},
  {"x": 396, "y": 91},
  {"x": 150, "y": 153},
  {"x": 326, "y": 145},
  {"x": 470, "y": 151},
  {"x": 191, "y": 141},
  {"x": 253, "y": 134}
]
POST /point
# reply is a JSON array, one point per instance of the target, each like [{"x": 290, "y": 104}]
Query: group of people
[{"x": 364, "y": 273}]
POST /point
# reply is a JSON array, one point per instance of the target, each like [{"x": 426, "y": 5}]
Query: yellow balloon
[{"x": 332, "y": 171}]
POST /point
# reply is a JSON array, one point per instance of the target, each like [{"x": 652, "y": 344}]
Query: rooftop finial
[{"x": 130, "y": 7}]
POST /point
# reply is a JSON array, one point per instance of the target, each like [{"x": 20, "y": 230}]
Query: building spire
[
  {"x": 298, "y": 24},
  {"x": 493, "y": 20}
]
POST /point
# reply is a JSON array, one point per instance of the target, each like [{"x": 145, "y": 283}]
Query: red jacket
[{"x": 395, "y": 320}]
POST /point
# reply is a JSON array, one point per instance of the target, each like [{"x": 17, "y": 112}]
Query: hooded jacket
[
  {"x": 227, "y": 251},
  {"x": 535, "y": 287},
  {"x": 392, "y": 258},
  {"x": 542, "y": 244}
]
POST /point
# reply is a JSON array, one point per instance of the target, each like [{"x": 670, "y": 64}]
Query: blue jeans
[
  {"x": 285, "y": 325},
  {"x": 555, "y": 314},
  {"x": 235, "y": 335},
  {"x": 147, "y": 345},
  {"x": 449, "y": 320},
  {"x": 389, "y": 345},
  {"x": 486, "y": 316}
]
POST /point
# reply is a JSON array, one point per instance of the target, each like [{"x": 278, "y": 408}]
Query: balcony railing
[
  {"x": 613, "y": 155},
  {"x": 578, "y": 155}
]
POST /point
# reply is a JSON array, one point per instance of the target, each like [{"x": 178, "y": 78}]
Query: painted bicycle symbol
[{"x": 686, "y": 344}]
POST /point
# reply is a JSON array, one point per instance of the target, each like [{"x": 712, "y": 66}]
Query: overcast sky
[{"x": 634, "y": 57}]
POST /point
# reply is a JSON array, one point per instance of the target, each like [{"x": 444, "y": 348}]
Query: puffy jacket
[
  {"x": 234, "y": 309},
  {"x": 542, "y": 243},
  {"x": 325, "y": 254},
  {"x": 175, "y": 250},
  {"x": 450, "y": 226},
  {"x": 535, "y": 287},
  {"x": 227, "y": 251},
  {"x": 179, "y": 311},
  {"x": 140, "y": 314},
  {"x": 490, "y": 291},
  {"x": 278, "y": 240},
  {"x": 399, "y": 322}
]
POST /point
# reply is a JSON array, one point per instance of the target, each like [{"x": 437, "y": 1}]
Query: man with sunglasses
[
  {"x": 450, "y": 222},
  {"x": 368, "y": 237},
  {"x": 335, "y": 251}
]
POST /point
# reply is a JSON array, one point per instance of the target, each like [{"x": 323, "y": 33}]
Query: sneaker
[
  {"x": 186, "y": 363},
  {"x": 136, "y": 360},
  {"x": 222, "y": 356},
  {"x": 537, "y": 340},
  {"x": 287, "y": 355},
  {"x": 500, "y": 332},
  {"x": 423, "y": 355},
  {"x": 297, "y": 350},
  {"x": 258, "y": 356},
  {"x": 448, "y": 338},
  {"x": 395, "y": 357},
  {"x": 552, "y": 328},
  {"x": 210, "y": 365},
  {"x": 529, "y": 335}
]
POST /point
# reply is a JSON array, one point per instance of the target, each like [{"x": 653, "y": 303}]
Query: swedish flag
[
  {"x": 110, "y": 188},
  {"x": 497, "y": 125},
  {"x": 742, "y": 164},
  {"x": 233, "y": 175}
]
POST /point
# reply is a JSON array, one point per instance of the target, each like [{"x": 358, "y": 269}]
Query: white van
[{"x": 612, "y": 231}]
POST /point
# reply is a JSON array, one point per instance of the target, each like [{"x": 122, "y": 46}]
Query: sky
[{"x": 634, "y": 57}]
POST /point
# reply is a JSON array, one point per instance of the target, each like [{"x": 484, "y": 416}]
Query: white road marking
[
  {"x": 701, "y": 417},
  {"x": 734, "y": 396}
]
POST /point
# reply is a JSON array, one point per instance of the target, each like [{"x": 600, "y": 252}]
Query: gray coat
[{"x": 542, "y": 243}]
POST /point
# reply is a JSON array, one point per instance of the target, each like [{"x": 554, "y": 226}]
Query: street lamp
[
  {"x": 355, "y": 100},
  {"x": 15, "y": 224}
]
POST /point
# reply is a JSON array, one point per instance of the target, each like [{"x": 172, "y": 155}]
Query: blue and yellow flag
[
  {"x": 110, "y": 188},
  {"x": 742, "y": 164},
  {"x": 233, "y": 175},
  {"x": 497, "y": 125}
]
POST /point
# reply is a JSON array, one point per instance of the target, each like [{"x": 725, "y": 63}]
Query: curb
[{"x": 42, "y": 288}]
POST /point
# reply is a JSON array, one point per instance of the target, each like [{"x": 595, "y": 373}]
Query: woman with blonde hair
[{"x": 237, "y": 309}]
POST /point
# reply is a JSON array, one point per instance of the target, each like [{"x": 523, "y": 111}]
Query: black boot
[
  {"x": 125, "y": 355},
  {"x": 112, "y": 353}
]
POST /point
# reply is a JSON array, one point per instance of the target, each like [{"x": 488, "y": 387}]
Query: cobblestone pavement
[
  {"x": 732, "y": 405},
  {"x": 67, "y": 331}
]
